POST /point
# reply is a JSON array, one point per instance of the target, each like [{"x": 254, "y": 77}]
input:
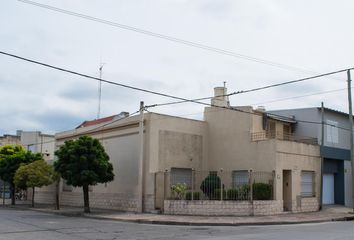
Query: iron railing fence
[
  {"x": 4, "y": 189},
  {"x": 261, "y": 136},
  {"x": 238, "y": 185}
]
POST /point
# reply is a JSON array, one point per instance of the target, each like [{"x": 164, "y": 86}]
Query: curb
[
  {"x": 161, "y": 222},
  {"x": 179, "y": 223}
]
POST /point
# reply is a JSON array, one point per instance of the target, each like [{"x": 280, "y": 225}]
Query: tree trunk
[
  {"x": 57, "y": 207},
  {"x": 12, "y": 189},
  {"x": 86, "y": 199},
  {"x": 32, "y": 196}
]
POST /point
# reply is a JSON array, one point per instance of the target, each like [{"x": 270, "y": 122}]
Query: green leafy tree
[
  {"x": 11, "y": 157},
  {"x": 35, "y": 174},
  {"x": 83, "y": 162}
]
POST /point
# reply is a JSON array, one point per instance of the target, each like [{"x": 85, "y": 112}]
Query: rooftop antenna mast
[{"x": 99, "y": 91}]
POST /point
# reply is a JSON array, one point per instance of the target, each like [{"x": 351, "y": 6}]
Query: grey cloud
[
  {"x": 80, "y": 92},
  {"x": 54, "y": 121},
  {"x": 256, "y": 28}
]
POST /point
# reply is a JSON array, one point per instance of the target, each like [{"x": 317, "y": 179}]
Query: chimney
[
  {"x": 220, "y": 99},
  {"x": 261, "y": 109}
]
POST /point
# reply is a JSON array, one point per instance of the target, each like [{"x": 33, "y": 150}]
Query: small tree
[
  {"x": 83, "y": 162},
  {"x": 36, "y": 174},
  {"x": 11, "y": 157}
]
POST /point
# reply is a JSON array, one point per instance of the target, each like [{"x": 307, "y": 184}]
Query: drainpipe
[
  {"x": 322, "y": 157},
  {"x": 351, "y": 131}
]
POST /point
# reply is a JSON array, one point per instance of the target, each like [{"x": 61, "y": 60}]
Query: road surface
[{"x": 25, "y": 224}]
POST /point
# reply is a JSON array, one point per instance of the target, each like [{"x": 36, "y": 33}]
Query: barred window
[
  {"x": 307, "y": 184},
  {"x": 181, "y": 175},
  {"x": 240, "y": 178}
]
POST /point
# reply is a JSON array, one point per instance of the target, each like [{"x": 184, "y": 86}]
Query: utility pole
[
  {"x": 322, "y": 157},
  {"x": 351, "y": 131},
  {"x": 99, "y": 92},
  {"x": 141, "y": 160}
]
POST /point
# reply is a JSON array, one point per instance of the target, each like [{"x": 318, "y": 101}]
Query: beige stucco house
[
  {"x": 231, "y": 142},
  {"x": 7, "y": 139}
]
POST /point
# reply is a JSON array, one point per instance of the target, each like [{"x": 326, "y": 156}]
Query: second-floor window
[{"x": 331, "y": 131}]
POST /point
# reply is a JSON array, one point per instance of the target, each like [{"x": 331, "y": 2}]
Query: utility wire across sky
[
  {"x": 180, "y": 98},
  {"x": 261, "y": 88},
  {"x": 170, "y": 38},
  {"x": 85, "y": 132}
]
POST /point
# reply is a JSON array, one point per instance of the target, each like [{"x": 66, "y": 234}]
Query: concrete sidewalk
[{"x": 330, "y": 213}]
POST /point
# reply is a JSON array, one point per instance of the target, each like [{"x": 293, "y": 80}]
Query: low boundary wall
[{"x": 222, "y": 208}]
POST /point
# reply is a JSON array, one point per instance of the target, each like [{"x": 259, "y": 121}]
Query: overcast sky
[{"x": 313, "y": 35}]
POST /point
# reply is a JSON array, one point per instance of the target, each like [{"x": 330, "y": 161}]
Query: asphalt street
[{"x": 25, "y": 224}]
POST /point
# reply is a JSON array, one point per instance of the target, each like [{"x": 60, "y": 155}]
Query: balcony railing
[{"x": 261, "y": 136}]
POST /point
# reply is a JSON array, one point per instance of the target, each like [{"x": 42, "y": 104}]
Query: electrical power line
[
  {"x": 94, "y": 78},
  {"x": 170, "y": 38},
  {"x": 254, "y": 113},
  {"x": 260, "y": 103},
  {"x": 259, "y": 88},
  {"x": 161, "y": 118},
  {"x": 85, "y": 132},
  {"x": 181, "y": 100},
  {"x": 300, "y": 96},
  {"x": 168, "y": 95}
]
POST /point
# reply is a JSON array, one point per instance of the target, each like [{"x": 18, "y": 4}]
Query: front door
[
  {"x": 328, "y": 189},
  {"x": 287, "y": 196}
]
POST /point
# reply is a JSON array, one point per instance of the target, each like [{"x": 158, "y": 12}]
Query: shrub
[
  {"x": 232, "y": 194},
  {"x": 217, "y": 194},
  {"x": 178, "y": 191},
  {"x": 196, "y": 196},
  {"x": 209, "y": 185},
  {"x": 244, "y": 192},
  {"x": 262, "y": 191}
]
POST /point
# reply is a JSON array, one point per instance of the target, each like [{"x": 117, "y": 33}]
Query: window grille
[
  {"x": 240, "y": 178},
  {"x": 307, "y": 184},
  {"x": 181, "y": 175}
]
